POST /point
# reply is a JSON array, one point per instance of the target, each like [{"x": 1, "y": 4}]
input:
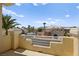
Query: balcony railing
[{"x": 44, "y": 40}]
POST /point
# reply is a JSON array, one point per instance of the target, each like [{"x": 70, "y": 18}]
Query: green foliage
[
  {"x": 8, "y": 22},
  {"x": 40, "y": 29},
  {"x": 31, "y": 28},
  {"x": 66, "y": 33},
  {"x": 8, "y": 4}
]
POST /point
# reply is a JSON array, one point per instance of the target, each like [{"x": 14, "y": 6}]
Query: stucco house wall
[{"x": 0, "y": 21}]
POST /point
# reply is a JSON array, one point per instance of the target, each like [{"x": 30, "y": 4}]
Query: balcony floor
[{"x": 22, "y": 52}]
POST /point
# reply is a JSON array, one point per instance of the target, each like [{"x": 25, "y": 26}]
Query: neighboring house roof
[{"x": 53, "y": 27}]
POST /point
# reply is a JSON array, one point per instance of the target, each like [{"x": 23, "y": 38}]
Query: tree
[
  {"x": 66, "y": 33},
  {"x": 32, "y": 29},
  {"x": 8, "y": 22},
  {"x": 40, "y": 29},
  {"x": 29, "y": 28},
  {"x": 1, "y": 4},
  {"x": 44, "y": 25}
]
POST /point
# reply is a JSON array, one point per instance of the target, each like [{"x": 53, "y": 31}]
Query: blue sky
[{"x": 34, "y": 14}]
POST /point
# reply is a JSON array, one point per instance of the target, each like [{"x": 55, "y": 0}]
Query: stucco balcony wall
[
  {"x": 67, "y": 48},
  {"x": 5, "y": 43},
  {"x": 10, "y": 41}
]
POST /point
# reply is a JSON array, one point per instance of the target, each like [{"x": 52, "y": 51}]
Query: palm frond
[{"x": 8, "y": 22}]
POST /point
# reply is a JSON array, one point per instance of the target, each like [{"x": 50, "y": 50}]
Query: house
[{"x": 55, "y": 31}]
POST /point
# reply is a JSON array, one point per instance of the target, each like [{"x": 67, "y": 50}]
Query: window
[{"x": 55, "y": 36}]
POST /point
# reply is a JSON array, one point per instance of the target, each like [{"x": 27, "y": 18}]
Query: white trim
[{"x": 42, "y": 46}]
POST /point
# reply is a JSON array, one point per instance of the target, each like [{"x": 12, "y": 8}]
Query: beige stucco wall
[
  {"x": 0, "y": 18},
  {"x": 0, "y": 21},
  {"x": 15, "y": 38},
  {"x": 67, "y": 48},
  {"x": 74, "y": 32},
  {"x": 5, "y": 43},
  {"x": 11, "y": 41}
]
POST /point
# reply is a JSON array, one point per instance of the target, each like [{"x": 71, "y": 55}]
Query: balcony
[{"x": 13, "y": 43}]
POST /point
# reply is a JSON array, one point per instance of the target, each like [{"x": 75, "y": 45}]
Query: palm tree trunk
[
  {"x": 6, "y": 32},
  {"x": 44, "y": 27}
]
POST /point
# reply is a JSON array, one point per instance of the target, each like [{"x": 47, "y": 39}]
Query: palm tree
[
  {"x": 44, "y": 25},
  {"x": 6, "y": 4},
  {"x": 8, "y": 23}
]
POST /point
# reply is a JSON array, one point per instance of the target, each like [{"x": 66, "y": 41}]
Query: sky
[{"x": 34, "y": 14}]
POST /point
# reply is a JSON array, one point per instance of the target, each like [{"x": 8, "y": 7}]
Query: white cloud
[
  {"x": 49, "y": 19},
  {"x": 44, "y": 3},
  {"x": 67, "y": 16},
  {"x": 57, "y": 20},
  {"x": 77, "y": 7},
  {"x": 35, "y": 4},
  {"x": 52, "y": 22},
  {"x": 18, "y": 4},
  {"x": 6, "y": 11},
  {"x": 20, "y": 15}
]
